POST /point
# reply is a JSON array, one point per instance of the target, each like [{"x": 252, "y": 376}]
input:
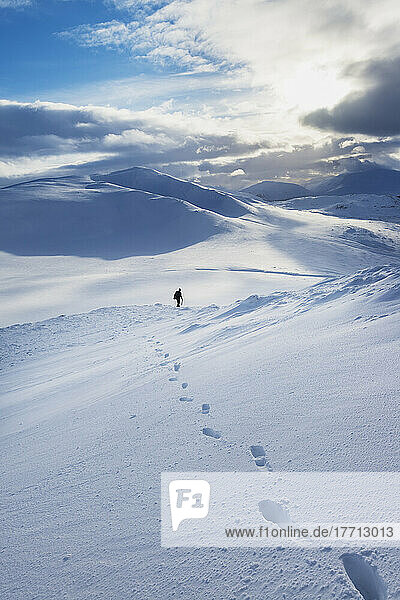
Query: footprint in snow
[
  {"x": 275, "y": 512},
  {"x": 173, "y": 379},
  {"x": 364, "y": 577},
  {"x": 184, "y": 385},
  {"x": 258, "y": 454},
  {"x": 205, "y": 409},
  {"x": 166, "y": 355},
  {"x": 186, "y": 399},
  {"x": 212, "y": 433},
  {"x": 177, "y": 366}
]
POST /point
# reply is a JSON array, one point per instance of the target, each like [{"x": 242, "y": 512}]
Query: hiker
[{"x": 178, "y": 297}]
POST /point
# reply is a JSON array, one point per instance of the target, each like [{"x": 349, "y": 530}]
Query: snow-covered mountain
[
  {"x": 149, "y": 180},
  {"x": 375, "y": 180},
  {"x": 277, "y": 190},
  {"x": 76, "y": 217},
  {"x": 288, "y": 334}
]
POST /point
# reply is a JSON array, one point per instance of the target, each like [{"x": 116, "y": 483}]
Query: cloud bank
[
  {"x": 228, "y": 93},
  {"x": 374, "y": 110},
  {"x": 36, "y": 137}
]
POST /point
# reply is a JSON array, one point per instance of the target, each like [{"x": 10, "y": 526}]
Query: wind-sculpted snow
[
  {"x": 374, "y": 282},
  {"x": 74, "y": 218},
  {"x": 141, "y": 178},
  {"x": 377, "y": 288}
]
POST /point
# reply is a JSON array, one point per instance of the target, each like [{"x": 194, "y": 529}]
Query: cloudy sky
[{"x": 224, "y": 92}]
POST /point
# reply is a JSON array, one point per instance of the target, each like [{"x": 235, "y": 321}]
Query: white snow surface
[
  {"x": 375, "y": 207},
  {"x": 305, "y": 365}
]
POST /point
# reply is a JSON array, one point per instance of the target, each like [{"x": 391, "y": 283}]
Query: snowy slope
[
  {"x": 149, "y": 180},
  {"x": 78, "y": 218},
  {"x": 374, "y": 207},
  {"x": 374, "y": 180},
  {"x": 277, "y": 190},
  {"x": 92, "y": 413}
]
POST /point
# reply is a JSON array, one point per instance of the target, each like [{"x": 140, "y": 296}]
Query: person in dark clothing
[{"x": 178, "y": 297}]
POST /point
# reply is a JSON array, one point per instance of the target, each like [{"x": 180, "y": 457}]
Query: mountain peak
[
  {"x": 375, "y": 180},
  {"x": 277, "y": 190},
  {"x": 150, "y": 180}
]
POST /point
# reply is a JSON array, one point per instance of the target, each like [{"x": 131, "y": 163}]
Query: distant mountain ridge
[
  {"x": 373, "y": 180},
  {"x": 277, "y": 190},
  {"x": 376, "y": 180}
]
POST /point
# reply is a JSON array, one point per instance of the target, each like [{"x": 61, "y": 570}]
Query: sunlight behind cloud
[
  {"x": 216, "y": 88},
  {"x": 310, "y": 87}
]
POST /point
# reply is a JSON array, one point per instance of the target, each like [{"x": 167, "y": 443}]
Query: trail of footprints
[
  {"x": 364, "y": 577},
  {"x": 257, "y": 452}
]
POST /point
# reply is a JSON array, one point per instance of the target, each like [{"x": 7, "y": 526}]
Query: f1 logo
[{"x": 189, "y": 499}]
